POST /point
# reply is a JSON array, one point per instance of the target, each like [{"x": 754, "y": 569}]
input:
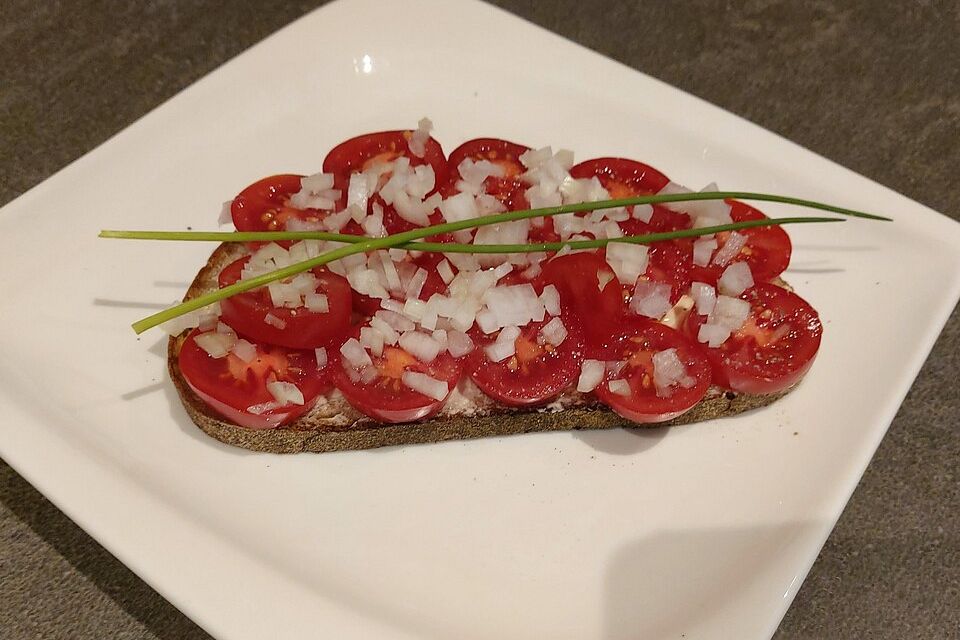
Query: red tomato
[
  {"x": 670, "y": 263},
  {"x": 304, "y": 329},
  {"x": 357, "y": 154},
  {"x": 263, "y": 205},
  {"x": 536, "y": 374},
  {"x": 773, "y": 349},
  {"x": 386, "y": 398},
  {"x": 636, "y": 342},
  {"x": 231, "y": 386},
  {"x": 509, "y": 189},
  {"x": 767, "y": 250},
  {"x": 589, "y": 290},
  {"x": 624, "y": 178}
]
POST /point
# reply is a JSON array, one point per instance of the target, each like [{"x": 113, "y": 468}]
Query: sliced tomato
[
  {"x": 635, "y": 344},
  {"x": 247, "y": 312},
  {"x": 233, "y": 387},
  {"x": 386, "y": 398},
  {"x": 590, "y": 292},
  {"x": 670, "y": 263},
  {"x": 767, "y": 249},
  {"x": 536, "y": 374},
  {"x": 509, "y": 189},
  {"x": 775, "y": 347},
  {"x": 624, "y": 178},
  {"x": 361, "y": 152},
  {"x": 263, "y": 205}
]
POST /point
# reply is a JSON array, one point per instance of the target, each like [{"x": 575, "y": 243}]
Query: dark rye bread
[{"x": 335, "y": 426}]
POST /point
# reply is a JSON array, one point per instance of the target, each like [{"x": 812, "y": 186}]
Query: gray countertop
[{"x": 871, "y": 84}]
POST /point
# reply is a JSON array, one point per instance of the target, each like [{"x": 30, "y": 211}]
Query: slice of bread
[{"x": 333, "y": 425}]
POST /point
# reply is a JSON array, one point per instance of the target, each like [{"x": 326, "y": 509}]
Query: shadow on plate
[
  {"x": 693, "y": 582},
  {"x": 622, "y": 441}
]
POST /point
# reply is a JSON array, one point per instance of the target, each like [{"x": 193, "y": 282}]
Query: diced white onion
[
  {"x": 285, "y": 392},
  {"x": 651, "y": 299},
  {"x": 591, "y": 375},
  {"x": 735, "y": 279},
  {"x": 388, "y": 333},
  {"x": 274, "y": 321},
  {"x": 217, "y": 345},
  {"x": 628, "y": 261},
  {"x": 416, "y": 284},
  {"x": 554, "y": 332},
  {"x": 619, "y": 386},
  {"x": 731, "y": 247},
  {"x": 421, "y": 346},
  {"x": 703, "y": 249},
  {"x": 445, "y": 272},
  {"x": 704, "y": 296},
  {"x": 317, "y": 302},
  {"x": 418, "y": 140},
  {"x": 422, "y": 383},
  {"x": 372, "y": 340},
  {"x": 668, "y": 371},
  {"x": 730, "y": 312},
  {"x": 643, "y": 212},
  {"x": 713, "y": 334},
  {"x": 354, "y": 354},
  {"x": 459, "y": 343},
  {"x": 550, "y": 298},
  {"x": 244, "y": 350},
  {"x": 226, "y": 215},
  {"x": 320, "y": 353}
]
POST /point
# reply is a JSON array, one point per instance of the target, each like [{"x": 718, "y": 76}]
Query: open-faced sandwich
[{"x": 399, "y": 345}]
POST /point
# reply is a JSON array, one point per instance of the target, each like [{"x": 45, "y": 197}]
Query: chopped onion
[
  {"x": 445, "y": 272},
  {"x": 620, "y": 387},
  {"x": 514, "y": 305},
  {"x": 668, "y": 371},
  {"x": 316, "y": 302},
  {"x": 274, "y": 321},
  {"x": 244, "y": 350},
  {"x": 418, "y": 141},
  {"x": 628, "y": 261},
  {"x": 459, "y": 343},
  {"x": 591, "y": 375},
  {"x": 285, "y": 392},
  {"x": 735, "y": 279},
  {"x": 421, "y": 346},
  {"x": 440, "y": 335},
  {"x": 217, "y": 345},
  {"x": 372, "y": 340},
  {"x": 731, "y": 247},
  {"x": 703, "y": 249},
  {"x": 462, "y": 206},
  {"x": 651, "y": 299},
  {"x": 504, "y": 346},
  {"x": 320, "y": 353},
  {"x": 226, "y": 214},
  {"x": 550, "y": 298},
  {"x": 354, "y": 354},
  {"x": 422, "y": 383},
  {"x": 388, "y": 333},
  {"x": 704, "y": 296},
  {"x": 643, "y": 212},
  {"x": 553, "y": 332},
  {"x": 730, "y": 312},
  {"x": 416, "y": 284},
  {"x": 316, "y": 192},
  {"x": 713, "y": 334}
]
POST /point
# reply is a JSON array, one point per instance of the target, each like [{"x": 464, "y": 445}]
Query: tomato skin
[
  {"x": 742, "y": 364},
  {"x": 386, "y": 399},
  {"x": 544, "y": 375},
  {"x": 263, "y": 207},
  {"x": 577, "y": 276},
  {"x": 357, "y": 153},
  {"x": 636, "y": 342},
  {"x": 767, "y": 250},
  {"x": 230, "y": 386},
  {"x": 246, "y": 312}
]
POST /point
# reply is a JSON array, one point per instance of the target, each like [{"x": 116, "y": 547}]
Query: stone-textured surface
[{"x": 871, "y": 84}]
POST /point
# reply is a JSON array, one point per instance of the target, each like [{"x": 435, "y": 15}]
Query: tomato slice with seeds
[
  {"x": 767, "y": 249},
  {"x": 361, "y": 152},
  {"x": 232, "y": 387},
  {"x": 247, "y": 312},
  {"x": 385, "y": 398},
  {"x": 589, "y": 290},
  {"x": 635, "y": 344},
  {"x": 670, "y": 263},
  {"x": 509, "y": 189},
  {"x": 624, "y": 178},
  {"x": 536, "y": 374},
  {"x": 775, "y": 347},
  {"x": 263, "y": 206}
]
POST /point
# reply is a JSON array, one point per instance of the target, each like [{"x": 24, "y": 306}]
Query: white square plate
[{"x": 705, "y": 530}]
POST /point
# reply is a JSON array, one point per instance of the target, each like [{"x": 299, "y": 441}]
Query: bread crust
[{"x": 337, "y": 427}]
